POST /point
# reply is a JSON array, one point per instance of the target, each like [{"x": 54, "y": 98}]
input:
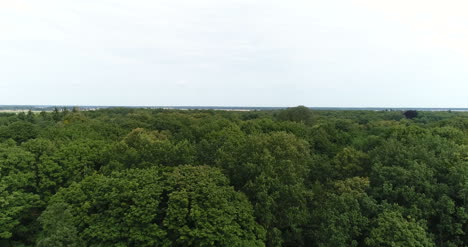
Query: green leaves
[
  {"x": 341, "y": 214},
  {"x": 392, "y": 230},
  {"x": 270, "y": 169},
  {"x": 143, "y": 148},
  {"x": 19, "y": 131},
  {"x": 204, "y": 211},
  {"x": 108, "y": 210},
  {"x": 15, "y": 207},
  {"x": 141, "y": 177},
  {"x": 58, "y": 227},
  {"x": 187, "y": 206}
]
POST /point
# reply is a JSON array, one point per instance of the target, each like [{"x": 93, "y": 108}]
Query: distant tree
[
  {"x": 44, "y": 115},
  {"x": 65, "y": 110},
  {"x": 296, "y": 114},
  {"x": 410, "y": 114},
  {"x": 30, "y": 116},
  {"x": 56, "y": 114}
]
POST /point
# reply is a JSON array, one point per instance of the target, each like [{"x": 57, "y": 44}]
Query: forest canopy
[{"x": 292, "y": 177}]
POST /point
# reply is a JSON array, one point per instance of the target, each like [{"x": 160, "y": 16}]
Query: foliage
[
  {"x": 393, "y": 230},
  {"x": 186, "y": 206},
  {"x": 292, "y": 177}
]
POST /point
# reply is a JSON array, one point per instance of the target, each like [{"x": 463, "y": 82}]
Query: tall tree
[{"x": 187, "y": 206}]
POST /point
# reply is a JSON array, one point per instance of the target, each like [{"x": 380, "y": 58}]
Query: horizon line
[{"x": 25, "y": 106}]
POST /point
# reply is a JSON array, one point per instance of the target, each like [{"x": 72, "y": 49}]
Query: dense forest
[{"x": 293, "y": 177}]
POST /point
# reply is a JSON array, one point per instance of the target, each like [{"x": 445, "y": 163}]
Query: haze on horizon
[{"x": 338, "y": 53}]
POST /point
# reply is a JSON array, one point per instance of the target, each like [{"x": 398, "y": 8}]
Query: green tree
[
  {"x": 75, "y": 160},
  {"x": 58, "y": 228},
  {"x": 56, "y": 116},
  {"x": 143, "y": 148},
  {"x": 30, "y": 116},
  {"x": 20, "y": 131},
  {"x": 204, "y": 211},
  {"x": 296, "y": 114},
  {"x": 392, "y": 230},
  {"x": 270, "y": 169},
  {"x": 154, "y": 207},
  {"x": 340, "y": 215},
  {"x": 410, "y": 114},
  {"x": 351, "y": 162},
  {"x": 16, "y": 208}
]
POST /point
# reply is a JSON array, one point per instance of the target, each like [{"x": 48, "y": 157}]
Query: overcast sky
[{"x": 351, "y": 53}]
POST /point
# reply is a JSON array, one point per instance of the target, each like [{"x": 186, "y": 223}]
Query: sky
[{"x": 333, "y": 53}]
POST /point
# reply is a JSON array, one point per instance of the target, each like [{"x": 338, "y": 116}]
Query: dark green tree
[
  {"x": 296, "y": 114},
  {"x": 410, "y": 114}
]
